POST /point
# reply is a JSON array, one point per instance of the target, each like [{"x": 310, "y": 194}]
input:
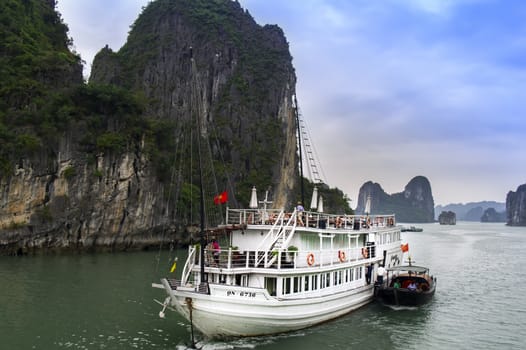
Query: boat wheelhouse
[{"x": 280, "y": 271}]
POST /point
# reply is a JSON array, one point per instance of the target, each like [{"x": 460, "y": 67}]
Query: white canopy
[
  {"x": 253, "y": 199},
  {"x": 314, "y": 200},
  {"x": 320, "y": 205},
  {"x": 368, "y": 205}
]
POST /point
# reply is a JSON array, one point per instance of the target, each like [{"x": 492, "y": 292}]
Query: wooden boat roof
[{"x": 412, "y": 268}]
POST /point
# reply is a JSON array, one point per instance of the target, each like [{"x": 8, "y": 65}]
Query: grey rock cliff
[
  {"x": 516, "y": 207},
  {"x": 447, "y": 218},
  {"x": 241, "y": 76},
  {"x": 414, "y": 204}
]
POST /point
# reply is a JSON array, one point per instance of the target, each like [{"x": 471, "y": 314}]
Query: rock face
[
  {"x": 447, "y": 218},
  {"x": 212, "y": 58},
  {"x": 516, "y": 207},
  {"x": 414, "y": 204},
  {"x": 491, "y": 215},
  {"x": 179, "y": 55}
]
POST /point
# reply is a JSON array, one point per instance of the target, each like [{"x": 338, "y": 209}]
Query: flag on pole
[
  {"x": 405, "y": 247},
  {"x": 221, "y": 198}
]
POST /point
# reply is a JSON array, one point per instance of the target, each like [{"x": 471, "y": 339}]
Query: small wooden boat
[
  {"x": 406, "y": 285},
  {"x": 411, "y": 229}
]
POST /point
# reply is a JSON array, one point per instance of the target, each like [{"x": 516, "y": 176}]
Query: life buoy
[
  {"x": 310, "y": 259},
  {"x": 341, "y": 255},
  {"x": 365, "y": 253}
]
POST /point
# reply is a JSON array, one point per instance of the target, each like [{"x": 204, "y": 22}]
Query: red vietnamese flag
[
  {"x": 405, "y": 247},
  {"x": 221, "y": 198}
]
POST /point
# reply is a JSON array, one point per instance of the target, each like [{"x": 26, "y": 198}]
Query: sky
[{"x": 389, "y": 89}]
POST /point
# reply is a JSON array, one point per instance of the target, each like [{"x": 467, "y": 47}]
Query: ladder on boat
[
  {"x": 315, "y": 174},
  {"x": 282, "y": 231}
]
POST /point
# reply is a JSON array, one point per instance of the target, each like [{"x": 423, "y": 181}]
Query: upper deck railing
[{"x": 271, "y": 217}]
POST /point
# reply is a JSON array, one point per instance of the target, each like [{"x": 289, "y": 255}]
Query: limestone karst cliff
[
  {"x": 87, "y": 165},
  {"x": 491, "y": 215},
  {"x": 414, "y": 204},
  {"x": 195, "y": 54},
  {"x": 516, "y": 207}
]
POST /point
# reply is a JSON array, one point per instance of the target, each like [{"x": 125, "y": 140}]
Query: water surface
[{"x": 105, "y": 301}]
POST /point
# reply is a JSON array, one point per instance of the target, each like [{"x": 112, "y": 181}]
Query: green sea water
[{"x": 105, "y": 301}]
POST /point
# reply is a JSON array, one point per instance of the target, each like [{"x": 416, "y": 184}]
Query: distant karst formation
[
  {"x": 447, "y": 218},
  {"x": 516, "y": 207},
  {"x": 491, "y": 215},
  {"x": 414, "y": 204},
  {"x": 472, "y": 211}
]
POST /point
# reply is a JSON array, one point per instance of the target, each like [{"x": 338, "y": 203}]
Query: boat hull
[
  {"x": 403, "y": 296},
  {"x": 219, "y": 317}
]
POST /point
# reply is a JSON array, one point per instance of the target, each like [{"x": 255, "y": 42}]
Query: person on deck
[
  {"x": 380, "y": 274},
  {"x": 412, "y": 286},
  {"x": 299, "y": 214},
  {"x": 216, "y": 251}
]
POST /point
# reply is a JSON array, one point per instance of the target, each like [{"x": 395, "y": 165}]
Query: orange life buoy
[
  {"x": 341, "y": 255},
  {"x": 365, "y": 253},
  {"x": 310, "y": 259}
]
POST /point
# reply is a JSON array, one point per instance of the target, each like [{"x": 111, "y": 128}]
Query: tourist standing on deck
[
  {"x": 217, "y": 251},
  {"x": 299, "y": 213},
  {"x": 380, "y": 274}
]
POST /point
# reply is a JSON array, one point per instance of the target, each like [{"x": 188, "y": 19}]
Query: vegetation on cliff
[{"x": 35, "y": 66}]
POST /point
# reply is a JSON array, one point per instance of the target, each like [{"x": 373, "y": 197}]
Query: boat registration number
[{"x": 242, "y": 294}]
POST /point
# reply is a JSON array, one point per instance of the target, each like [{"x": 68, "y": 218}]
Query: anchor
[{"x": 165, "y": 304}]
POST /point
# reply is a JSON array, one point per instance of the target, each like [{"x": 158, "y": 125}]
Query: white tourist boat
[{"x": 281, "y": 271}]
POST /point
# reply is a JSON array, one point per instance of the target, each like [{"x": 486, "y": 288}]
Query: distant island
[
  {"x": 414, "y": 204},
  {"x": 447, "y": 218},
  {"x": 473, "y": 211}
]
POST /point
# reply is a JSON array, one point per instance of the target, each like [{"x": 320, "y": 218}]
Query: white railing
[
  {"x": 271, "y": 217},
  {"x": 188, "y": 266},
  {"x": 231, "y": 259}
]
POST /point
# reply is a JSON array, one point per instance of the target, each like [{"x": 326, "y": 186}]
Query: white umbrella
[
  {"x": 368, "y": 205},
  {"x": 320, "y": 205},
  {"x": 253, "y": 199},
  {"x": 314, "y": 201}
]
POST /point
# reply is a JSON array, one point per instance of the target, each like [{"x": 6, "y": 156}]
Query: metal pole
[{"x": 299, "y": 148}]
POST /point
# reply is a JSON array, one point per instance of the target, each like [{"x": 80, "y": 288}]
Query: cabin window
[
  {"x": 340, "y": 277},
  {"x": 270, "y": 285},
  {"x": 306, "y": 280},
  {"x": 351, "y": 274},
  {"x": 335, "y": 280},
  {"x": 244, "y": 280},
  {"x": 346, "y": 276},
  {"x": 314, "y": 282},
  {"x": 286, "y": 285},
  {"x": 340, "y": 241},
  {"x": 297, "y": 284},
  {"x": 328, "y": 279},
  {"x": 322, "y": 282}
]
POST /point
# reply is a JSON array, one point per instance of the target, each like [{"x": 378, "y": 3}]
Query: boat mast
[
  {"x": 299, "y": 148},
  {"x": 195, "y": 107}
]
